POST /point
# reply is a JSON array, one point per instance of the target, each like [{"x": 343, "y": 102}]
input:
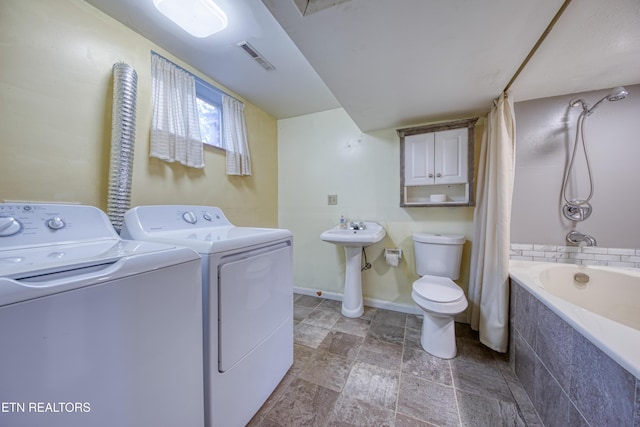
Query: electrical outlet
[{"x": 332, "y": 199}]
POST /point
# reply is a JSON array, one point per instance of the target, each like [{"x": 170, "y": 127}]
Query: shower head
[{"x": 617, "y": 93}]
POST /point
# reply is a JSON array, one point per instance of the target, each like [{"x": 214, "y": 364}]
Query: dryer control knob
[
  {"x": 190, "y": 217},
  {"x": 9, "y": 226},
  {"x": 55, "y": 223}
]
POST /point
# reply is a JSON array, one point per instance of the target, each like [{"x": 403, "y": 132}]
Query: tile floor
[{"x": 371, "y": 371}]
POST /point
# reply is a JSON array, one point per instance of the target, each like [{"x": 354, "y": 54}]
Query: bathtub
[{"x": 601, "y": 303}]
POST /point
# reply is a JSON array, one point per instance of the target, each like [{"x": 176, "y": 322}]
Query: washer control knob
[
  {"x": 9, "y": 226},
  {"x": 190, "y": 217},
  {"x": 55, "y": 223},
  {"x": 207, "y": 216}
]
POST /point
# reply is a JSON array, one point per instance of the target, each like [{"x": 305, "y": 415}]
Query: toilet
[{"x": 438, "y": 259}]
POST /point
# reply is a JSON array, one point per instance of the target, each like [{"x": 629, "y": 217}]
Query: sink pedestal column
[{"x": 352, "y": 301}]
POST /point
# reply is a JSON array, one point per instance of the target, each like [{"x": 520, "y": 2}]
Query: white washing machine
[
  {"x": 247, "y": 276},
  {"x": 95, "y": 330}
]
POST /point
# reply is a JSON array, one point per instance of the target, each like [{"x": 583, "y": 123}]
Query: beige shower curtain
[{"x": 489, "y": 279}]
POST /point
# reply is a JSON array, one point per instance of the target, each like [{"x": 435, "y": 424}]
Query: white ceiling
[{"x": 392, "y": 63}]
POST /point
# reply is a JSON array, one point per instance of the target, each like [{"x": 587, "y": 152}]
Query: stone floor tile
[
  {"x": 427, "y": 401},
  {"x": 327, "y": 370},
  {"x": 419, "y": 363},
  {"x": 379, "y": 353},
  {"x": 303, "y": 404},
  {"x": 301, "y": 356},
  {"x": 414, "y": 321},
  {"x": 481, "y": 379},
  {"x": 474, "y": 351},
  {"x": 358, "y": 327},
  {"x": 463, "y": 330},
  {"x": 331, "y": 305},
  {"x": 309, "y": 335},
  {"x": 321, "y": 318},
  {"x": 372, "y": 384},
  {"x": 369, "y": 313},
  {"x": 342, "y": 344},
  {"x": 412, "y": 338},
  {"x": 350, "y": 412},
  {"x": 308, "y": 301},
  {"x": 372, "y": 371},
  {"x": 404, "y": 421},
  {"x": 386, "y": 317},
  {"x": 300, "y": 312},
  {"x": 387, "y": 333},
  {"x": 483, "y": 411}
]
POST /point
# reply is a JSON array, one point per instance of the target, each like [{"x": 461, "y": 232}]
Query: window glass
[{"x": 209, "y": 101}]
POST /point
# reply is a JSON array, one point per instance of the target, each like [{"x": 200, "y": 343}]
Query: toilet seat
[
  {"x": 437, "y": 289},
  {"x": 439, "y": 296}
]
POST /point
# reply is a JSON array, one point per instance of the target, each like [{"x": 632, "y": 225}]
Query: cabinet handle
[
  {"x": 430, "y": 175},
  {"x": 439, "y": 175}
]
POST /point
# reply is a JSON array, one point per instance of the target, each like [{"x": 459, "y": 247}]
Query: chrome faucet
[
  {"x": 353, "y": 225},
  {"x": 577, "y": 238}
]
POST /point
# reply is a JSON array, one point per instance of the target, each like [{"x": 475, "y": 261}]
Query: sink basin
[
  {"x": 353, "y": 241},
  {"x": 373, "y": 233}
]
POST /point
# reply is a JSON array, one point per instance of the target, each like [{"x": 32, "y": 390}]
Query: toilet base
[{"x": 438, "y": 335}]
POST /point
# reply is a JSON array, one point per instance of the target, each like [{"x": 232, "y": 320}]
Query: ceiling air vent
[{"x": 253, "y": 53}]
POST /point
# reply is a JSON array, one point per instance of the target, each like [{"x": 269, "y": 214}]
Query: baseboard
[{"x": 371, "y": 302}]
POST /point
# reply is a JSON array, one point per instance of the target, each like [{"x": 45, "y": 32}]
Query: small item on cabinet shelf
[{"x": 438, "y": 198}]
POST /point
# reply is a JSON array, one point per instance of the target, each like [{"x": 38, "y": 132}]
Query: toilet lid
[{"x": 438, "y": 289}]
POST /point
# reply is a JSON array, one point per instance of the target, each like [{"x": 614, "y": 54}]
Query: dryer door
[{"x": 255, "y": 299}]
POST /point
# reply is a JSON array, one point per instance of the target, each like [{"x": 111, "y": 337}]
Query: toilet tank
[{"x": 438, "y": 254}]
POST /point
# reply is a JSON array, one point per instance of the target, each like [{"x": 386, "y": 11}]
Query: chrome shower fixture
[
  {"x": 580, "y": 209},
  {"x": 577, "y": 210},
  {"x": 616, "y": 94}
]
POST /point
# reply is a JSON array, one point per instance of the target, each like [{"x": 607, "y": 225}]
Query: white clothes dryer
[
  {"x": 95, "y": 330},
  {"x": 247, "y": 277}
]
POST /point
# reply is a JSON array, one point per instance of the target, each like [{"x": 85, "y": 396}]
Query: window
[{"x": 209, "y": 101}]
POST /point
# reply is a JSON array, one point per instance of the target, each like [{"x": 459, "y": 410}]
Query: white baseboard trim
[{"x": 371, "y": 302}]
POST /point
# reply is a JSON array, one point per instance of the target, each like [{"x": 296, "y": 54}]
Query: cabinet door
[
  {"x": 418, "y": 159},
  {"x": 451, "y": 149}
]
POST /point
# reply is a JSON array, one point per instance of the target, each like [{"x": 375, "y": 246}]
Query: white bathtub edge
[{"x": 618, "y": 341}]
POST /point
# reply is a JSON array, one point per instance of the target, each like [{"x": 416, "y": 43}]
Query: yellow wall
[
  {"x": 55, "y": 118},
  {"x": 325, "y": 153}
]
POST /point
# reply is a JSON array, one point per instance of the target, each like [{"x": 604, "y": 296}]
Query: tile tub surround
[
  {"x": 569, "y": 380},
  {"x": 587, "y": 255},
  {"x": 371, "y": 371}
]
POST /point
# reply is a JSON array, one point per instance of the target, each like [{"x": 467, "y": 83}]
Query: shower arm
[{"x": 589, "y": 110}]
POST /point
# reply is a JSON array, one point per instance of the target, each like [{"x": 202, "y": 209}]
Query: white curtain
[
  {"x": 234, "y": 136},
  {"x": 489, "y": 278},
  {"x": 175, "y": 129}
]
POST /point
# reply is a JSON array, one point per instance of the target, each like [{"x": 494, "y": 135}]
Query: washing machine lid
[
  {"x": 73, "y": 257},
  {"x": 204, "y": 229},
  {"x": 47, "y": 249},
  {"x": 438, "y": 289}
]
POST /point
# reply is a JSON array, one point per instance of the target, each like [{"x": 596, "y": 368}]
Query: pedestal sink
[{"x": 354, "y": 238}]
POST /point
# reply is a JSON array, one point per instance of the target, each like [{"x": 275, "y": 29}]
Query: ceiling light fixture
[{"x": 200, "y": 18}]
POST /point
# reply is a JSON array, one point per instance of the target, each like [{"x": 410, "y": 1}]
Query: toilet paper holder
[
  {"x": 393, "y": 252},
  {"x": 397, "y": 252}
]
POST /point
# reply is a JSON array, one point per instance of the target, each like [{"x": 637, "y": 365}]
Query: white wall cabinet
[
  {"x": 437, "y": 162},
  {"x": 436, "y": 158}
]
